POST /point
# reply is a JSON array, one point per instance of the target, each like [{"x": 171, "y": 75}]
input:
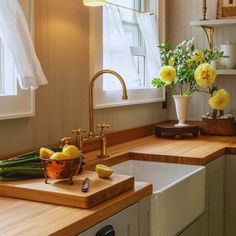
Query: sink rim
[{"x": 198, "y": 169}]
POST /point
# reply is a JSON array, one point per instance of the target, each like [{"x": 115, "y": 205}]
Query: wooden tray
[
  {"x": 222, "y": 127},
  {"x": 168, "y": 128},
  {"x": 59, "y": 192}
]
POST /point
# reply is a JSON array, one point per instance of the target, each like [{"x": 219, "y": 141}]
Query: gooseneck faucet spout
[
  {"x": 101, "y": 136},
  {"x": 91, "y": 86}
]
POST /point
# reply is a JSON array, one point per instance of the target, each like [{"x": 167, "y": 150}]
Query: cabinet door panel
[
  {"x": 125, "y": 223},
  {"x": 198, "y": 228},
  {"x": 216, "y": 193},
  {"x": 230, "y": 196},
  {"x": 144, "y": 216}
]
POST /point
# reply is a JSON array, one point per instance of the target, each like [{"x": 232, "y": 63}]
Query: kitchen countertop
[
  {"x": 26, "y": 218},
  {"x": 195, "y": 151},
  {"x": 32, "y": 218}
]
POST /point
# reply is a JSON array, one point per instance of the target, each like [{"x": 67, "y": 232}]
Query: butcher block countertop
[
  {"x": 194, "y": 151},
  {"x": 20, "y": 217},
  {"x": 26, "y": 218}
]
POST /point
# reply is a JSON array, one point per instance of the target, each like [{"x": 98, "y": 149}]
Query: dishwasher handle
[{"x": 106, "y": 231}]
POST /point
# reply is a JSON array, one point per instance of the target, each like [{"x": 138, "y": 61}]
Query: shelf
[
  {"x": 227, "y": 72},
  {"x": 214, "y": 23}
]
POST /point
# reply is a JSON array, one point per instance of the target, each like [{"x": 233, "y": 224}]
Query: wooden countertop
[
  {"x": 26, "y": 218},
  {"x": 31, "y": 218},
  {"x": 196, "y": 151}
]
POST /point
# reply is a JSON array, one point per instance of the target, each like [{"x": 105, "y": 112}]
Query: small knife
[{"x": 85, "y": 186}]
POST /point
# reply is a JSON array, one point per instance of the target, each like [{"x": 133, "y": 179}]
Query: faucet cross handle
[
  {"x": 79, "y": 131},
  {"x": 65, "y": 140},
  {"x": 103, "y": 127},
  {"x": 79, "y": 138}
]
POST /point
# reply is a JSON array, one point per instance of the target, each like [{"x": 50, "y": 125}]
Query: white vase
[{"x": 181, "y": 106}]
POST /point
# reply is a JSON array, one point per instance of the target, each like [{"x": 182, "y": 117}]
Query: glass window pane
[
  {"x": 8, "y": 76},
  {"x": 128, "y": 15},
  {"x": 140, "y": 66},
  {"x": 132, "y": 34}
]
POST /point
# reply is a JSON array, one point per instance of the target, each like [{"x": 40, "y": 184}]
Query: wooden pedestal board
[{"x": 169, "y": 129}]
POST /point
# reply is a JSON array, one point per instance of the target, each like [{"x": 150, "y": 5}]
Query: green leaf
[{"x": 158, "y": 83}]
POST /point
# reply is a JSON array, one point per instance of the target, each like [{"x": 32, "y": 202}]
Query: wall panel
[
  {"x": 62, "y": 44},
  {"x": 180, "y": 13}
]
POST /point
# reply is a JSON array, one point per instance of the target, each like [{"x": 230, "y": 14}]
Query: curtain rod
[{"x": 127, "y": 8}]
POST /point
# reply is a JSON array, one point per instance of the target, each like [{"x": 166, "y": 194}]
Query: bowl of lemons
[{"x": 61, "y": 165}]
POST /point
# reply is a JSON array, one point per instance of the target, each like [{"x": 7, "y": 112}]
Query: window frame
[
  {"x": 107, "y": 99},
  {"x": 23, "y": 104}
]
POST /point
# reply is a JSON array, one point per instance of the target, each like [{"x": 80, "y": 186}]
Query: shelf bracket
[{"x": 209, "y": 31}]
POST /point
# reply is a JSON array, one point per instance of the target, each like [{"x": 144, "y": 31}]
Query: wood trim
[
  {"x": 112, "y": 139},
  {"x": 226, "y": 146},
  {"x": 121, "y": 137},
  {"x": 162, "y": 20},
  {"x": 230, "y": 150}
]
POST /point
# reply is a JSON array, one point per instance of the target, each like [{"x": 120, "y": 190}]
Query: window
[
  {"x": 14, "y": 102},
  {"x": 8, "y": 75},
  {"x": 133, "y": 67},
  {"x": 134, "y": 36},
  {"x": 136, "y": 45}
]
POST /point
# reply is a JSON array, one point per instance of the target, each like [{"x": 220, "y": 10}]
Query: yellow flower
[
  {"x": 219, "y": 99},
  {"x": 198, "y": 56},
  {"x": 172, "y": 61},
  {"x": 189, "y": 61},
  {"x": 168, "y": 74},
  {"x": 205, "y": 75}
]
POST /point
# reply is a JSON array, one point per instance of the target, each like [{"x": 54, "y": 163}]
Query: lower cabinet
[
  {"x": 132, "y": 221},
  {"x": 216, "y": 196},
  {"x": 198, "y": 228},
  {"x": 219, "y": 218},
  {"x": 211, "y": 223},
  {"x": 230, "y": 196}
]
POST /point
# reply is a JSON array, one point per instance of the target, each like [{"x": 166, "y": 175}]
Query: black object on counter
[
  {"x": 106, "y": 231},
  {"x": 85, "y": 186}
]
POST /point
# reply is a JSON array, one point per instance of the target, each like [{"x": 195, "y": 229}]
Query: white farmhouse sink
[{"x": 178, "y": 193}]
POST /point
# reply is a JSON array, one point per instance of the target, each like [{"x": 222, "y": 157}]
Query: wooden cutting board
[{"x": 59, "y": 192}]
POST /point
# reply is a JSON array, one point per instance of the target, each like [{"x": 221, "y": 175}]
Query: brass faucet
[{"x": 102, "y": 135}]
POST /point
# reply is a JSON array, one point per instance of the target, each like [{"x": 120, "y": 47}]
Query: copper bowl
[{"x": 61, "y": 169}]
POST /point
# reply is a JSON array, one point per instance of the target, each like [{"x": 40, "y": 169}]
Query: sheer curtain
[
  {"x": 15, "y": 35},
  {"x": 116, "y": 51},
  {"x": 148, "y": 26}
]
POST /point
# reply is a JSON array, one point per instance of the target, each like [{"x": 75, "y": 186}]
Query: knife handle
[{"x": 85, "y": 186}]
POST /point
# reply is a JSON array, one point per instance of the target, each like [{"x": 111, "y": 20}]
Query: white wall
[
  {"x": 180, "y": 13},
  {"x": 62, "y": 44}
]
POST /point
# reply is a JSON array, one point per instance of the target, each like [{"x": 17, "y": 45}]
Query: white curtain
[
  {"x": 14, "y": 33},
  {"x": 116, "y": 51},
  {"x": 148, "y": 26}
]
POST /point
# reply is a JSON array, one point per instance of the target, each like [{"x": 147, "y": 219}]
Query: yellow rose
[
  {"x": 219, "y": 99},
  {"x": 198, "y": 56},
  {"x": 168, "y": 74},
  {"x": 205, "y": 75}
]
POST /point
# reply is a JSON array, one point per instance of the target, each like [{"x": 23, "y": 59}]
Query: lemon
[
  {"x": 58, "y": 156},
  {"x": 71, "y": 151},
  {"x": 103, "y": 171},
  {"x": 65, "y": 146},
  {"x": 45, "y": 153}
]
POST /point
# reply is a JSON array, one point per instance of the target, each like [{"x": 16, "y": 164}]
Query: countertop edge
[{"x": 115, "y": 205}]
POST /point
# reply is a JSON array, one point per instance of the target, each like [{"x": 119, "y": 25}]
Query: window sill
[
  {"x": 124, "y": 103},
  {"x": 20, "y": 106},
  {"x": 108, "y": 99}
]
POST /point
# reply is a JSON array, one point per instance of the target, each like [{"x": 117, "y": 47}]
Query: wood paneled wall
[
  {"x": 62, "y": 44},
  {"x": 180, "y": 13}
]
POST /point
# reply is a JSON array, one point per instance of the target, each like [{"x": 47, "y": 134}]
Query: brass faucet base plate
[{"x": 102, "y": 157}]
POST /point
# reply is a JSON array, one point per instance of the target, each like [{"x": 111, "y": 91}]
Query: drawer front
[{"x": 124, "y": 223}]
